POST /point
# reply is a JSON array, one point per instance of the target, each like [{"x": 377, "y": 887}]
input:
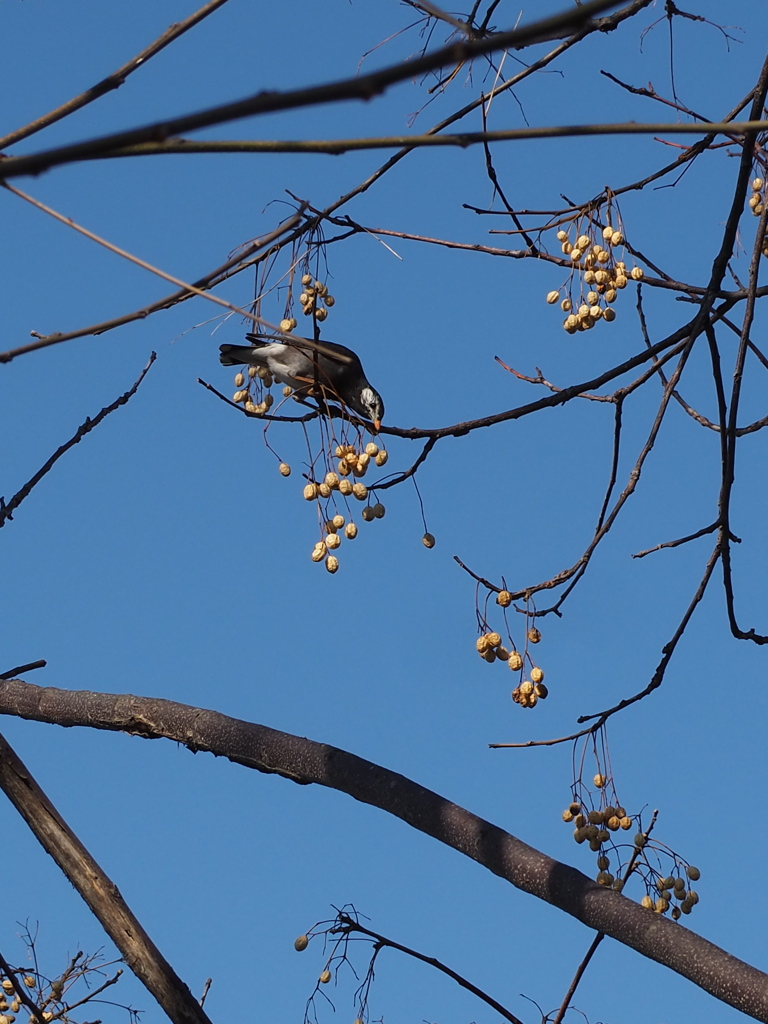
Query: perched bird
[{"x": 312, "y": 368}]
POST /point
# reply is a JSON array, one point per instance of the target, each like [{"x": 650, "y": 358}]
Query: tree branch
[{"x": 305, "y": 762}]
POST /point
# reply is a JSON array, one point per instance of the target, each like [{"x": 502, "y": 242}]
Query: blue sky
[{"x": 165, "y": 555}]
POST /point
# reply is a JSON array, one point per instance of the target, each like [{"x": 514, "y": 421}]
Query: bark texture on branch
[
  {"x": 306, "y": 761},
  {"x": 99, "y": 892}
]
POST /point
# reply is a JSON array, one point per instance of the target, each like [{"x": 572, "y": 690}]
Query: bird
[{"x": 326, "y": 368}]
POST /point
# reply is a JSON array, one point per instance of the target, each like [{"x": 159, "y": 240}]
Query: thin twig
[{"x": 7, "y": 509}]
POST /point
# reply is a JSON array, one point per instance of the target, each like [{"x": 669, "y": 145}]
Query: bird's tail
[{"x": 236, "y": 355}]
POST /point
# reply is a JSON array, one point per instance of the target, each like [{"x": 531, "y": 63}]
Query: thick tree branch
[
  {"x": 305, "y": 761},
  {"x": 99, "y": 892}
]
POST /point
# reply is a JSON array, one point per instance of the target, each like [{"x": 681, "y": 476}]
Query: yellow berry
[
  {"x": 504, "y": 598},
  {"x": 371, "y": 449},
  {"x": 360, "y": 491},
  {"x": 332, "y": 563},
  {"x": 325, "y": 977},
  {"x": 345, "y": 487},
  {"x": 552, "y": 297},
  {"x": 534, "y": 635},
  {"x": 350, "y": 531},
  {"x": 599, "y": 781},
  {"x": 310, "y": 492},
  {"x": 285, "y": 469},
  {"x": 332, "y": 541},
  {"x": 617, "y": 238},
  {"x": 239, "y": 380},
  {"x": 381, "y": 458},
  {"x": 636, "y": 273},
  {"x": 427, "y": 540},
  {"x": 609, "y": 314},
  {"x": 301, "y": 943},
  {"x": 285, "y": 326},
  {"x": 566, "y": 305},
  {"x": 536, "y": 675},
  {"x": 515, "y": 661}
]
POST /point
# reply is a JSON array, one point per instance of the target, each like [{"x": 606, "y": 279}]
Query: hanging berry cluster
[
  {"x": 757, "y": 203},
  {"x": 529, "y": 691},
  {"x": 596, "y": 277},
  {"x": 597, "y": 817}
]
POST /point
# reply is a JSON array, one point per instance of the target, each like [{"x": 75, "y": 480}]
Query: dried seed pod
[
  {"x": 286, "y": 325},
  {"x": 757, "y": 185},
  {"x": 603, "y": 863},
  {"x": 371, "y": 449},
  {"x": 620, "y": 281},
  {"x": 562, "y": 236},
  {"x": 285, "y": 469},
  {"x": 613, "y": 823},
  {"x": 350, "y": 531},
  {"x": 692, "y": 897},
  {"x": 345, "y": 487},
  {"x": 338, "y": 521},
  {"x": 646, "y": 902},
  {"x": 593, "y": 298},
  {"x": 325, "y": 977},
  {"x": 636, "y": 273},
  {"x": 589, "y": 261},
  {"x": 504, "y": 598},
  {"x": 552, "y": 297},
  {"x": 607, "y": 232},
  {"x": 571, "y": 322},
  {"x": 609, "y": 314},
  {"x": 310, "y": 492},
  {"x": 239, "y": 380},
  {"x": 306, "y": 279},
  {"x": 321, "y": 314},
  {"x": 379, "y": 510},
  {"x": 319, "y": 553},
  {"x": 610, "y": 295},
  {"x": 427, "y": 540},
  {"x": 675, "y": 913},
  {"x": 494, "y": 639},
  {"x": 304, "y": 299},
  {"x": 7, "y": 985},
  {"x": 490, "y": 655},
  {"x": 329, "y": 300},
  {"x": 526, "y": 688},
  {"x": 589, "y": 277},
  {"x": 602, "y": 277},
  {"x": 332, "y": 563},
  {"x": 583, "y": 241},
  {"x": 685, "y": 907},
  {"x": 367, "y": 514},
  {"x": 579, "y": 836},
  {"x": 567, "y": 815},
  {"x": 360, "y": 491},
  {"x": 693, "y": 873},
  {"x": 583, "y": 310},
  {"x": 534, "y": 635},
  {"x": 301, "y": 943},
  {"x": 566, "y": 305},
  {"x": 536, "y": 675},
  {"x": 595, "y": 817},
  {"x": 332, "y": 480},
  {"x": 574, "y": 808},
  {"x": 576, "y": 255},
  {"x": 662, "y": 905},
  {"x": 250, "y": 407},
  {"x": 239, "y": 396},
  {"x": 324, "y": 490},
  {"x": 381, "y": 458},
  {"x": 333, "y": 541},
  {"x": 595, "y": 312},
  {"x": 594, "y": 844},
  {"x": 566, "y": 248},
  {"x": 580, "y": 820},
  {"x": 617, "y": 238},
  {"x": 344, "y": 467},
  {"x": 599, "y": 781},
  {"x": 287, "y": 391},
  {"x": 515, "y": 661},
  {"x": 604, "y": 878},
  {"x": 754, "y": 201},
  {"x": 640, "y": 840}
]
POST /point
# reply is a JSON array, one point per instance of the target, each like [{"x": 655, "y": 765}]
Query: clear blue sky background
[{"x": 165, "y": 556}]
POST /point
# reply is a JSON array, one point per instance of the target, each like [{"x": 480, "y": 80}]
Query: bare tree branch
[
  {"x": 305, "y": 761},
  {"x": 99, "y": 892}
]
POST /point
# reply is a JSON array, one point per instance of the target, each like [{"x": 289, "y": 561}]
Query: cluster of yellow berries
[
  {"x": 757, "y": 203},
  {"x": 10, "y": 1004},
  {"x": 490, "y": 648},
  {"x": 595, "y": 827},
  {"x": 600, "y": 273},
  {"x": 672, "y": 891},
  {"x": 351, "y": 463},
  {"x": 260, "y": 378},
  {"x": 313, "y": 294}
]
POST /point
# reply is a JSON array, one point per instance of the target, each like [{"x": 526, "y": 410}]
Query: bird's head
[{"x": 371, "y": 405}]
